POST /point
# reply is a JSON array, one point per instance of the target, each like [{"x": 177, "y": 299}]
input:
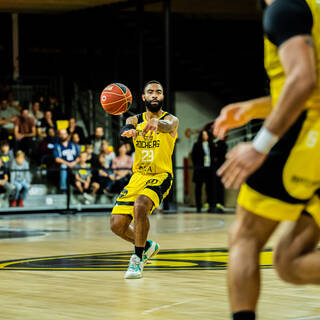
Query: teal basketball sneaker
[
  {"x": 151, "y": 251},
  {"x": 135, "y": 268}
]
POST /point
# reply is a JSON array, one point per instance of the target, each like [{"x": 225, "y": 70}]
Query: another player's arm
[
  {"x": 238, "y": 114},
  {"x": 169, "y": 125},
  {"x": 292, "y": 36},
  {"x": 129, "y": 130},
  {"x": 297, "y": 58}
]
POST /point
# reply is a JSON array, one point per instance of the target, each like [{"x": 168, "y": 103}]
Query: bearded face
[
  {"x": 153, "y": 97},
  {"x": 154, "y": 106}
]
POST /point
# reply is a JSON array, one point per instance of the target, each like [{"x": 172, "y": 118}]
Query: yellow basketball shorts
[
  {"x": 155, "y": 186},
  {"x": 288, "y": 183}
]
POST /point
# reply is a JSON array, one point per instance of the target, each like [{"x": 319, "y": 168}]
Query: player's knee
[
  {"x": 287, "y": 273},
  {"x": 116, "y": 226},
  {"x": 142, "y": 206},
  {"x": 284, "y": 263}
]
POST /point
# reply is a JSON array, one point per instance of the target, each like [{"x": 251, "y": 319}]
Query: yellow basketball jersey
[
  {"x": 274, "y": 67},
  {"x": 153, "y": 156}
]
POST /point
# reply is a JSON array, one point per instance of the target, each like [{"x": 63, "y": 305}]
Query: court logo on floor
[{"x": 193, "y": 259}]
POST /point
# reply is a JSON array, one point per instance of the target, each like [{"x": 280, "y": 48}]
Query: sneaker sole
[
  {"x": 155, "y": 252},
  {"x": 133, "y": 277}
]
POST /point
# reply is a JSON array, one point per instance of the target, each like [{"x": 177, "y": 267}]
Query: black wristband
[{"x": 126, "y": 128}]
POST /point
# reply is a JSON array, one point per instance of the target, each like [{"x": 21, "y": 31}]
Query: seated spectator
[
  {"x": 100, "y": 175},
  {"x": 92, "y": 157},
  {"x": 36, "y": 113},
  {"x": 12, "y": 102},
  {"x": 108, "y": 153},
  {"x": 121, "y": 166},
  {"x": 8, "y": 116},
  {"x": 66, "y": 155},
  {"x": 96, "y": 140},
  {"x": 55, "y": 107},
  {"x": 46, "y": 122},
  {"x": 5, "y": 186},
  {"x": 46, "y": 147},
  {"x": 76, "y": 140},
  {"x": 41, "y": 99},
  {"x": 83, "y": 178},
  {"x": 20, "y": 178},
  {"x": 24, "y": 132},
  {"x": 74, "y": 128},
  {"x": 6, "y": 155}
]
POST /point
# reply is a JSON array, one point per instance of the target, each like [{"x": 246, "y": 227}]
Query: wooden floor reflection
[{"x": 187, "y": 281}]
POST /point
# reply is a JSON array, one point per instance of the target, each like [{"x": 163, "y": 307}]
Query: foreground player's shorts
[
  {"x": 289, "y": 180},
  {"x": 156, "y": 187}
]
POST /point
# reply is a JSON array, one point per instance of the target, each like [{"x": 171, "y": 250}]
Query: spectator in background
[
  {"x": 36, "y": 113},
  {"x": 46, "y": 147},
  {"x": 74, "y": 128},
  {"x": 203, "y": 160},
  {"x": 12, "y": 102},
  {"x": 5, "y": 186},
  {"x": 100, "y": 175},
  {"x": 20, "y": 178},
  {"x": 96, "y": 140},
  {"x": 6, "y": 155},
  {"x": 46, "y": 122},
  {"x": 55, "y": 107},
  {"x": 24, "y": 132},
  {"x": 108, "y": 153},
  {"x": 66, "y": 155},
  {"x": 76, "y": 140},
  {"x": 83, "y": 177},
  {"x": 8, "y": 116},
  {"x": 41, "y": 99},
  {"x": 121, "y": 166},
  {"x": 92, "y": 157}
]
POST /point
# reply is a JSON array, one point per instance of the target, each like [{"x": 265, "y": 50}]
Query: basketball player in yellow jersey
[
  {"x": 280, "y": 167},
  {"x": 154, "y": 135}
]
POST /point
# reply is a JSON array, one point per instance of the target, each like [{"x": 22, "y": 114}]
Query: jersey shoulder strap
[
  {"x": 140, "y": 118},
  {"x": 164, "y": 115}
]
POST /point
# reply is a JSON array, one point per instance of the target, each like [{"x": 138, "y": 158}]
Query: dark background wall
[{"x": 97, "y": 46}]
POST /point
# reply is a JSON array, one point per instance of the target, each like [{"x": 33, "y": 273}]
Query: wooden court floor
[{"x": 72, "y": 267}]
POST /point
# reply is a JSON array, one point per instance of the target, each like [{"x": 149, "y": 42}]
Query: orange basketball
[{"x": 116, "y": 98}]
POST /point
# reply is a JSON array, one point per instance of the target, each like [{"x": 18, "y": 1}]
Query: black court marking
[
  {"x": 24, "y": 233},
  {"x": 189, "y": 259}
]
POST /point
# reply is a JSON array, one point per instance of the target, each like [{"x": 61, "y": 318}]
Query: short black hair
[{"x": 151, "y": 82}]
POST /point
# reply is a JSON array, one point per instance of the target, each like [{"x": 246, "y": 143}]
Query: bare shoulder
[{"x": 132, "y": 120}]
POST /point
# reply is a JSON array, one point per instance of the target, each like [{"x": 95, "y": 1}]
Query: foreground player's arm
[
  {"x": 129, "y": 130},
  {"x": 297, "y": 58},
  {"x": 169, "y": 124},
  {"x": 293, "y": 39},
  {"x": 238, "y": 114}
]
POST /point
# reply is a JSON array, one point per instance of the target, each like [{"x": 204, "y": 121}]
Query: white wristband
[{"x": 264, "y": 140}]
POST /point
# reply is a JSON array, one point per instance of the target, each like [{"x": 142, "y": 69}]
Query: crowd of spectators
[{"x": 31, "y": 138}]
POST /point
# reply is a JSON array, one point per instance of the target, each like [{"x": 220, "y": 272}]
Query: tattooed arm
[{"x": 169, "y": 125}]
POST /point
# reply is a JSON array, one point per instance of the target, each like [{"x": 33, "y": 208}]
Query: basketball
[{"x": 116, "y": 98}]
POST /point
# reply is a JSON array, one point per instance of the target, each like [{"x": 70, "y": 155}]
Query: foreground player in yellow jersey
[
  {"x": 154, "y": 134},
  {"x": 280, "y": 167}
]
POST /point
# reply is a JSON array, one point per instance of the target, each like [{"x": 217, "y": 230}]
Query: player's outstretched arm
[
  {"x": 169, "y": 124},
  {"x": 238, "y": 114},
  {"x": 129, "y": 130}
]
